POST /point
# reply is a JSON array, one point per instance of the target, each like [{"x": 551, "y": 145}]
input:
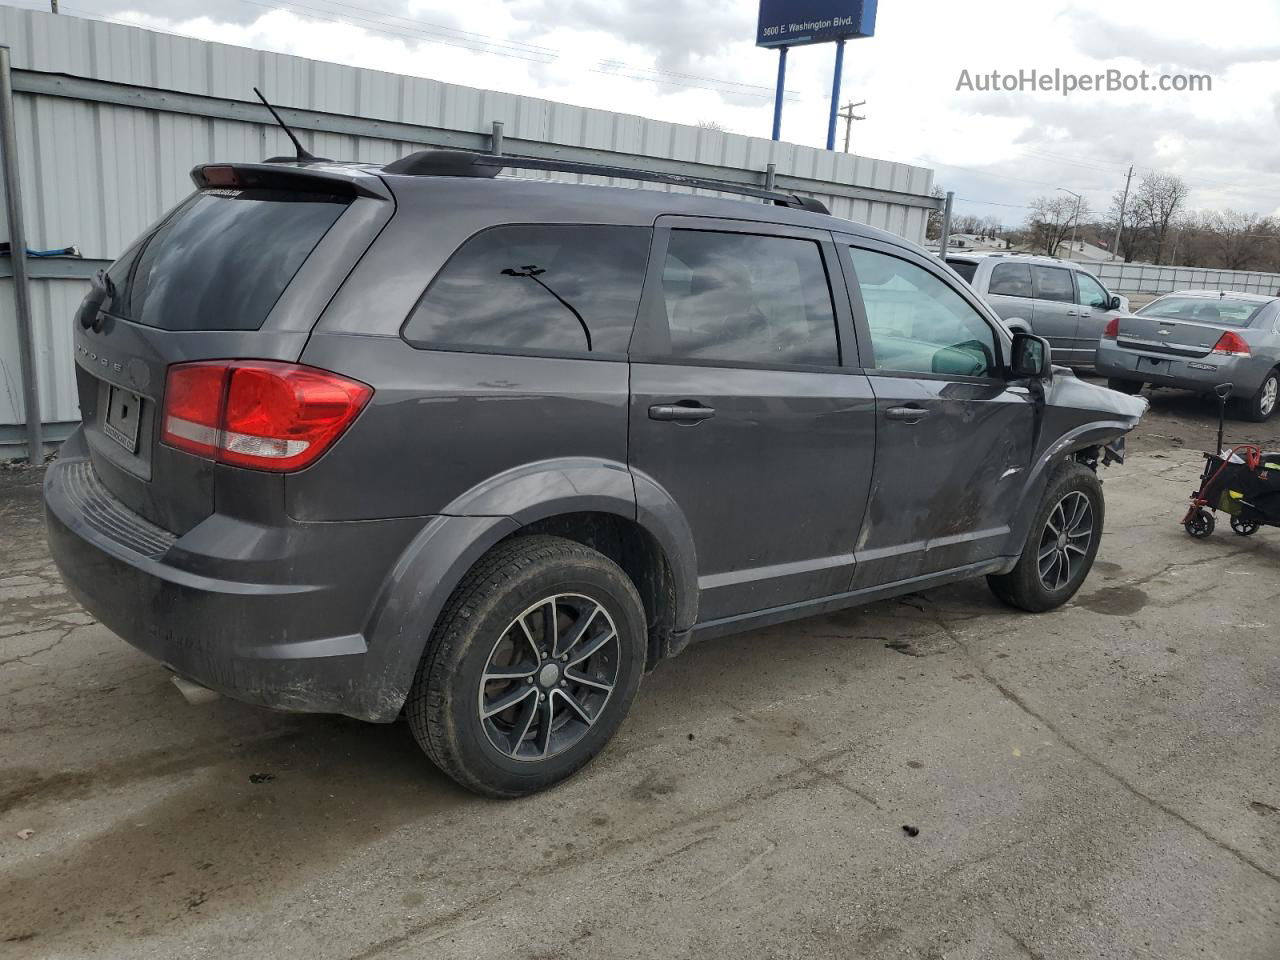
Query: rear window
[
  {"x": 540, "y": 289},
  {"x": 1226, "y": 311},
  {"x": 965, "y": 268},
  {"x": 220, "y": 260}
]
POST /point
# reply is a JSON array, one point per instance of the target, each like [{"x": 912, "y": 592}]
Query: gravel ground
[{"x": 1102, "y": 781}]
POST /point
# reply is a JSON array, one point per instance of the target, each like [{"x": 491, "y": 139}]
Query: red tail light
[
  {"x": 1231, "y": 344},
  {"x": 1113, "y": 329},
  {"x": 258, "y": 413}
]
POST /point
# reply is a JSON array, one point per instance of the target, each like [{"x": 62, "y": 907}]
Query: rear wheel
[
  {"x": 1062, "y": 545},
  {"x": 1262, "y": 404},
  {"x": 531, "y": 669},
  {"x": 1131, "y": 387},
  {"x": 1245, "y": 528}
]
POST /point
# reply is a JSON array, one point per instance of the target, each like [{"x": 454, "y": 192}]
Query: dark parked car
[{"x": 483, "y": 450}]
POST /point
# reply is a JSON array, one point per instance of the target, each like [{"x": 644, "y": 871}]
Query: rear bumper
[
  {"x": 199, "y": 604},
  {"x": 1200, "y": 374}
]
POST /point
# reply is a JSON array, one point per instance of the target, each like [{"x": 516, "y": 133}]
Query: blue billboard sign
[{"x": 794, "y": 23}]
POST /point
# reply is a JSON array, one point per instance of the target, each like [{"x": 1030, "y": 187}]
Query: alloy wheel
[
  {"x": 1270, "y": 393},
  {"x": 548, "y": 677},
  {"x": 1065, "y": 542}
]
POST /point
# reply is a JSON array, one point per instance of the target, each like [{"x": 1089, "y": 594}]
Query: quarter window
[
  {"x": 741, "y": 298},
  {"x": 1011, "y": 280},
  {"x": 551, "y": 289},
  {"x": 919, "y": 324},
  {"x": 1053, "y": 283}
]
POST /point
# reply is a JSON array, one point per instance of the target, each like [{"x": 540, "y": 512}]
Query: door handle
[
  {"x": 906, "y": 414},
  {"x": 685, "y": 412}
]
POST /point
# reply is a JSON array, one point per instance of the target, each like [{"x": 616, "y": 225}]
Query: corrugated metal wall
[
  {"x": 111, "y": 118},
  {"x": 1145, "y": 278}
]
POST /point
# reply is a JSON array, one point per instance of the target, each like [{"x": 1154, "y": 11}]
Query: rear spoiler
[{"x": 272, "y": 176}]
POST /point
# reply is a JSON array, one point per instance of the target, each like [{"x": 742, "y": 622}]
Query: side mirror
[
  {"x": 1114, "y": 303},
  {"x": 1032, "y": 358}
]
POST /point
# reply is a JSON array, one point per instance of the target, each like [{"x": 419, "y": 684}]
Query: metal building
[{"x": 110, "y": 119}]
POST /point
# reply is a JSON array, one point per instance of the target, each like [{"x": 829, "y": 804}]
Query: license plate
[
  {"x": 1154, "y": 365},
  {"x": 123, "y": 415}
]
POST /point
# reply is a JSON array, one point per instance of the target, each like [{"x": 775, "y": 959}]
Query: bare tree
[
  {"x": 1132, "y": 237},
  {"x": 1237, "y": 238},
  {"x": 933, "y": 227},
  {"x": 712, "y": 125},
  {"x": 1051, "y": 220},
  {"x": 1159, "y": 199}
]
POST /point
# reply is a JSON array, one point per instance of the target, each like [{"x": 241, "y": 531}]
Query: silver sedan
[{"x": 1197, "y": 339}]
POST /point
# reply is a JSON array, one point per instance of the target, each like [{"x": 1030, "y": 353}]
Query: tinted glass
[
  {"x": 539, "y": 288},
  {"x": 220, "y": 260},
  {"x": 966, "y": 268},
  {"x": 1226, "y": 311},
  {"x": 1011, "y": 280},
  {"x": 919, "y": 324},
  {"x": 737, "y": 297},
  {"x": 1091, "y": 292},
  {"x": 1053, "y": 283}
]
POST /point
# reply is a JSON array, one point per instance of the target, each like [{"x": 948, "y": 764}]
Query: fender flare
[
  {"x": 1096, "y": 433},
  {"x": 433, "y": 564}
]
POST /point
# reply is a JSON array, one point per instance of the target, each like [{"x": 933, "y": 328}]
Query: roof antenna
[{"x": 303, "y": 153}]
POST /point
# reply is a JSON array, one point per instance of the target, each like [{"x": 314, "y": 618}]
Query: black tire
[
  {"x": 1262, "y": 405},
  {"x": 1131, "y": 387},
  {"x": 1244, "y": 528},
  {"x": 447, "y": 696},
  {"x": 1025, "y": 587},
  {"x": 1200, "y": 524}
]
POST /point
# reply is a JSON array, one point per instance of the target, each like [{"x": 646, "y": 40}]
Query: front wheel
[
  {"x": 531, "y": 668},
  {"x": 1062, "y": 545},
  {"x": 1262, "y": 404},
  {"x": 1200, "y": 524},
  {"x": 1131, "y": 387}
]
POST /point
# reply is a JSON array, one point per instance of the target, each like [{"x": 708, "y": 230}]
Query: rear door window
[
  {"x": 1011, "y": 280},
  {"x": 220, "y": 260},
  {"x": 1053, "y": 283},
  {"x": 743, "y": 298},
  {"x": 541, "y": 289}
]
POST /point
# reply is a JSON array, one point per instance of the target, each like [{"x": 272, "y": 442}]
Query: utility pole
[
  {"x": 849, "y": 116},
  {"x": 1124, "y": 202},
  {"x": 1075, "y": 221}
]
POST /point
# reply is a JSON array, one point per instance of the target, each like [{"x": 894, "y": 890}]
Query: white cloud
[{"x": 691, "y": 60}]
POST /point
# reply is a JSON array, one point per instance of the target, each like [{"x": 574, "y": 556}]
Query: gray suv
[
  {"x": 481, "y": 450},
  {"x": 1056, "y": 299}
]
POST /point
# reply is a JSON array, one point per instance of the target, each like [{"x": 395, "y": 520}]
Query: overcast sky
[{"x": 692, "y": 60}]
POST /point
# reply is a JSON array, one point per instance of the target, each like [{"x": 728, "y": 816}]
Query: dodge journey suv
[{"x": 481, "y": 450}]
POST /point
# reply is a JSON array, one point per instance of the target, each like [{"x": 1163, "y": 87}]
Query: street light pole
[{"x": 1075, "y": 219}]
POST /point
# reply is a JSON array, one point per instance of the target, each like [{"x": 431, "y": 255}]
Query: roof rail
[{"x": 463, "y": 163}]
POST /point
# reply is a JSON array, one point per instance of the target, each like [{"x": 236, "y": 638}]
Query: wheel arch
[{"x": 589, "y": 501}]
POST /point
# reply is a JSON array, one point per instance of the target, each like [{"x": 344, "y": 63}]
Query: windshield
[
  {"x": 1225, "y": 311},
  {"x": 220, "y": 260}
]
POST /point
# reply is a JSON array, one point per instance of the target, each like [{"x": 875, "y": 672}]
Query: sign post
[{"x": 796, "y": 23}]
